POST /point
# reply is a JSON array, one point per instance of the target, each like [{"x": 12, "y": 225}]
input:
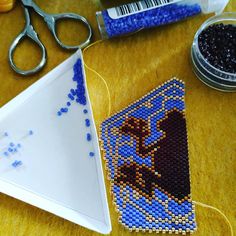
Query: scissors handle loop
[
  {"x": 31, "y": 34},
  {"x": 51, "y": 20}
]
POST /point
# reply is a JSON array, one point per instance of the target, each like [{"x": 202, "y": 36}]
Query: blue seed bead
[
  {"x": 85, "y": 111},
  {"x": 6, "y": 154},
  {"x": 73, "y": 92},
  {"x": 64, "y": 110},
  {"x": 59, "y": 113},
  {"x": 91, "y": 154},
  {"x": 87, "y": 122},
  {"x": 89, "y": 137},
  {"x": 10, "y": 150},
  {"x": 31, "y": 132},
  {"x": 11, "y": 145},
  {"x": 70, "y": 96},
  {"x": 19, "y": 145},
  {"x": 68, "y": 104},
  {"x": 16, "y": 163},
  {"x": 5, "y": 134}
]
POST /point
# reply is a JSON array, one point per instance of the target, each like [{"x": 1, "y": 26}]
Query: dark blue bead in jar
[{"x": 213, "y": 52}]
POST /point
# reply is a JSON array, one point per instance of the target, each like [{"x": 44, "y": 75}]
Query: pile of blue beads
[
  {"x": 77, "y": 93},
  {"x": 150, "y": 18}
]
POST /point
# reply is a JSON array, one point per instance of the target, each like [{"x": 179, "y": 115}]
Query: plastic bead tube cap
[
  {"x": 101, "y": 25},
  {"x": 217, "y": 6}
]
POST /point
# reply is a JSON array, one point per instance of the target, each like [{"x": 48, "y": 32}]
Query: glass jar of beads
[
  {"x": 132, "y": 17},
  {"x": 213, "y": 52}
]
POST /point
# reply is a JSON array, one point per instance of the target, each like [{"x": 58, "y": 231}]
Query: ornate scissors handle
[
  {"x": 51, "y": 20},
  {"x": 30, "y": 33}
]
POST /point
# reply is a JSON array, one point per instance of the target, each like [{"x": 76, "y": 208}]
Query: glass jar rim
[{"x": 226, "y": 16}]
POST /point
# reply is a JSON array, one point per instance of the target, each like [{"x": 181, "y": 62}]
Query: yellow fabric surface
[{"x": 132, "y": 66}]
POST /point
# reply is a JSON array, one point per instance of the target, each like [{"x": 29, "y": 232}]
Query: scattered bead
[
  {"x": 87, "y": 122},
  {"x": 68, "y": 104},
  {"x": 11, "y": 144},
  {"x": 6, "y": 154},
  {"x": 31, "y": 132},
  {"x": 16, "y": 163},
  {"x": 6, "y": 134},
  {"x": 73, "y": 92},
  {"x": 89, "y": 137},
  {"x": 19, "y": 145},
  {"x": 71, "y": 97},
  {"x": 91, "y": 154},
  {"x": 85, "y": 111},
  {"x": 64, "y": 110},
  {"x": 146, "y": 155},
  {"x": 59, "y": 113}
]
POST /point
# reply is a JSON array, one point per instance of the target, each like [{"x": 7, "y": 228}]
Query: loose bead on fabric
[{"x": 77, "y": 94}]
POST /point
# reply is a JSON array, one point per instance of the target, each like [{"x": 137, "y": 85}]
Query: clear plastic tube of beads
[{"x": 129, "y": 18}]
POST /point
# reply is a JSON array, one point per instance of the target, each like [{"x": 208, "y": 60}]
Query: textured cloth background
[{"x": 132, "y": 67}]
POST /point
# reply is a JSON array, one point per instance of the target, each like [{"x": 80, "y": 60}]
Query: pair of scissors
[{"x": 29, "y": 32}]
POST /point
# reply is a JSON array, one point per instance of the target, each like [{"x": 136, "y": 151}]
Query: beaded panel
[{"x": 146, "y": 153}]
